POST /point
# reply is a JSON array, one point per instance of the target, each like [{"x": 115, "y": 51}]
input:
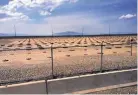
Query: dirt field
[{"x": 23, "y": 59}]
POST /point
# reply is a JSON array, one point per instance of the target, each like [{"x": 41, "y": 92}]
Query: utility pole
[
  {"x": 14, "y": 30},
  {"x": 109, "y": 29},
  {"x": 82, "y": 31},
  {"x": 68, "y": 34},
  {"x": 52, "y": 31}
]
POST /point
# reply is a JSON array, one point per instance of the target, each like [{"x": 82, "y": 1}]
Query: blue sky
[{"x": 35, "y": 17}]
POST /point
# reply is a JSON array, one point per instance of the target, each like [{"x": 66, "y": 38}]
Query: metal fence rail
[{"x": 54, "y": 65}]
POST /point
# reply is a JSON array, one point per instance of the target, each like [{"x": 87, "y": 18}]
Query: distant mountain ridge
[
  {"x": 67, "y": 33},
  {"x": 8, "y": 34},
  {"x": 5, "y": 34}
]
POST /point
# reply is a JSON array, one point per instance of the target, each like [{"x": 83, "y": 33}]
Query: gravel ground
[
  {"x": 72, "y": 66},
  {"x": 123, "y": 90}
]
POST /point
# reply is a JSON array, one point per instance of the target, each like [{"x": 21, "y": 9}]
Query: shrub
[
  {"x": 2, "y": 45},
  {"x": 68, "y": 55},
  {"x": 5, "y": 60},
  {"x": 118, "y": 47},
  {"x": 28, "y": 58},
  {"x": 108, "y": 47},
  {"x": 71, "y": 50}
]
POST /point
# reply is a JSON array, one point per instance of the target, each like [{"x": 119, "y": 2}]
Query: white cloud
[
  {"x": 13, "y": 16},
  {"x": 128, "y": 16},
  {"x": 44, "y": 13},
  {"x": 9, "y": 13},
  {"x": 19, "y": 8},
  {"x": 15, "y": 19}
]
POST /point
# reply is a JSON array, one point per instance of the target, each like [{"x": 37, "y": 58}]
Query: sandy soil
[
  {"x": 5, "y": 41},
  {"x": 34, "y": 64}
]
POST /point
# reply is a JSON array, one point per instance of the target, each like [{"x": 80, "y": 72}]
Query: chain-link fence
[{"x": 35, "y": 59}]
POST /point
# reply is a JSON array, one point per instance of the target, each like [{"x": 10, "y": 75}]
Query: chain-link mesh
[
  {"x": 117, "y": 55},
  {"x": 41, "y": 58}
]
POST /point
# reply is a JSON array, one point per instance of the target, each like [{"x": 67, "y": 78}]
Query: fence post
[
  {"x": 101, "y": 56},
  {"x": 46, "y": 86},
  {"x": 131, "y": 46},
  {"x": 52, "y": 59}
]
